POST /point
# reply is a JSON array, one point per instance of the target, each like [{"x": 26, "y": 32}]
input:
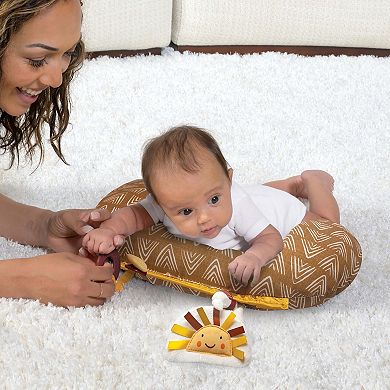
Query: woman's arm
[
  {"x": 60, "y": 231},
  {"x": 23, "y": 223},
  {"x": 63, "y": 279}
]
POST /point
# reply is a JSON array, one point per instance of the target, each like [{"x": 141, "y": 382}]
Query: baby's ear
[{"x": 230, "y": 173}]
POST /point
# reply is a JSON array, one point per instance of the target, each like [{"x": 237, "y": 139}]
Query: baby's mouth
[{"x": 209, "y": 231}]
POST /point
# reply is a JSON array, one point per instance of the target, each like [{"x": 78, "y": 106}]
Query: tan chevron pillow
[{"x": 318, "y": 261}]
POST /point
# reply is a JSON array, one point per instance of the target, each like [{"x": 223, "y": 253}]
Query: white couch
[
  {"x": 144, "y": 24},
  {"x": 126, "y": 24}
]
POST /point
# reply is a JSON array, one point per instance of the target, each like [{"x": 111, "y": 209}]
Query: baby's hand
[
  {"x": 245, "y": 266},
  {"x": 99, "y": 241}
]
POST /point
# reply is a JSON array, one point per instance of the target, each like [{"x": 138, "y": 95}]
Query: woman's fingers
[
  {"x": 67, "y": 223},
  {"x": 102, "y": 290},
  {"x": 97, "y": 216},
  {"x": 101, "y": 273}
]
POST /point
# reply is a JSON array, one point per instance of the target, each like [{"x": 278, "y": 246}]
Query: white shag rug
[{"x": 274, "y": 116}]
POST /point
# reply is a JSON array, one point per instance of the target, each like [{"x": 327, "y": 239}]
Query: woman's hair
[
  {"x": 178, "y": 148},
  {"x": 53, "y": 104}
]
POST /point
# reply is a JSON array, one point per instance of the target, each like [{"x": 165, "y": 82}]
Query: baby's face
[{"x": 199, "y": 204}]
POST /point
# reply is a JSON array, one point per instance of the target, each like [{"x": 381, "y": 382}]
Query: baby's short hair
[{"x": 178, "y": 148}]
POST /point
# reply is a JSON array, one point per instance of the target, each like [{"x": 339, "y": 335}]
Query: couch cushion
[
  {"x": 126, "y": 25},
  {"x": 344, "y": 23}
]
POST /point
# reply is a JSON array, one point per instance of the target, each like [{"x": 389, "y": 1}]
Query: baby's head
[
  {"x": 188, "y": 176},
  {"x": 179, "y": 148}
]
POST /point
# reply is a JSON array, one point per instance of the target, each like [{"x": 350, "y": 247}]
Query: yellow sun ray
[
  {"x": 229, "y": 320},
  {"x": 182, "y": 330},
  {"x": 239, "y": 341},
  {"x": 203, "y": 316},
  {"x": 177, "y": 344},
  {"x": 238, "y": 354},
  {"x": 123, "y": 279}
]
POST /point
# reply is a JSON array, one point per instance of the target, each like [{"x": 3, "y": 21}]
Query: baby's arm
[
  {"x": 264, "y": 247},
  {"x": 124, "y": 221}
]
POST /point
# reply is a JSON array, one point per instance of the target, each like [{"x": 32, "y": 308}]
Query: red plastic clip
[
  {"x": 113, "y": 258},
  {"x": 233, "y": 301}
]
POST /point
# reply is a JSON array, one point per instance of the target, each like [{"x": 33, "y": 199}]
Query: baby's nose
[{"x": 203, "y": 217}]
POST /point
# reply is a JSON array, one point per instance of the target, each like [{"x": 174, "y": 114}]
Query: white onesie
[{"x": 254, "y": 208}]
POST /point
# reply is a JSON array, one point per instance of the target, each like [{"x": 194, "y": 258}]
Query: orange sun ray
[
  {"x": 193, "y": 321},
  {"x": 216, "y": 317},
  {"x": 236, "y": 331}
]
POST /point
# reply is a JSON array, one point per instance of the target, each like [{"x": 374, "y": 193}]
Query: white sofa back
[
  {"x": 146, "y": 24},
  {"x": 126, "y": 24},
  {"x": 345, "y": 23}
]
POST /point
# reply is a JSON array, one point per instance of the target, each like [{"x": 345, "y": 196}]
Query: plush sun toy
[{"x": 210, "y": 334}]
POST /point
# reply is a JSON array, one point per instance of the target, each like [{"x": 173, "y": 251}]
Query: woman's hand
[
  {"x": 63, "y": 279},
  {"x": 66, "y": 228}
]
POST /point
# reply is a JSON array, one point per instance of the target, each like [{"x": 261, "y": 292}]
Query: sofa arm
[
  {"x": 126, "y": 25},
  {"x": 343, "y": 23}
]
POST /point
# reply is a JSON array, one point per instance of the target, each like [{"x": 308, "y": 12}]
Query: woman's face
[{"x": 38, "y": 54}]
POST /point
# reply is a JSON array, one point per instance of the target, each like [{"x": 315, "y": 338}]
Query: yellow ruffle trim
[{"x": 265, "y": 303}]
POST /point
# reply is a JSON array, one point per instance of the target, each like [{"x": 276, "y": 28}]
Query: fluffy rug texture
[{"x": 274, "y": 115}]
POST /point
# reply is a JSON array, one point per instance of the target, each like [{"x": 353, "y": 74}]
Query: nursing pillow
[{"x": 319, "y": 260}]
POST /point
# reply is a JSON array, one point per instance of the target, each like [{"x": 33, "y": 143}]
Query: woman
[{"x": 40, "y": 50}]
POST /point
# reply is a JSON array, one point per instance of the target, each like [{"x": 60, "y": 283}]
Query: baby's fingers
[
  {"x": 239, "y": 272},
  {"x": 119, "y": 240},
  {"x": 246, "y": 275},
  {"x": 232, "y": 267},
  {"x": 105, "y": 247},
  {"x": 235, "y": 269},
  {"x": 88, "y": 244},
  {"x": 92, "y": 246},
  {"x": 256, "y": 276},
  {"x": 85, "y": 240}
]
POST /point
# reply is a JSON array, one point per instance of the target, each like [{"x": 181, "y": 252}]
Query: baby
[{"x": 192, "y": 193}]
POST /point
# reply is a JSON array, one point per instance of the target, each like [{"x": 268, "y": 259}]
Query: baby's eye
[
  {"x": 185, "y": 211},
  {"x": 214, "y": 199}
]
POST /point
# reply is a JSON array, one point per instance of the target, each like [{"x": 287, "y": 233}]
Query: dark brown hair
[
  {"x": 52, "y": 106},
  {"x": 178, "y": 148}
]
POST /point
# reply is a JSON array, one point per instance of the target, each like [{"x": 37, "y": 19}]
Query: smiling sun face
[{"x": 210, "y": 338}]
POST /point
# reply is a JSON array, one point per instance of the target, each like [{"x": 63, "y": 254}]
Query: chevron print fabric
[{"x": 319, "y": 259}]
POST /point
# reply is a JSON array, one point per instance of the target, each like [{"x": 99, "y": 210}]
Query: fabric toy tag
[{"x": 210, "y": 334}]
